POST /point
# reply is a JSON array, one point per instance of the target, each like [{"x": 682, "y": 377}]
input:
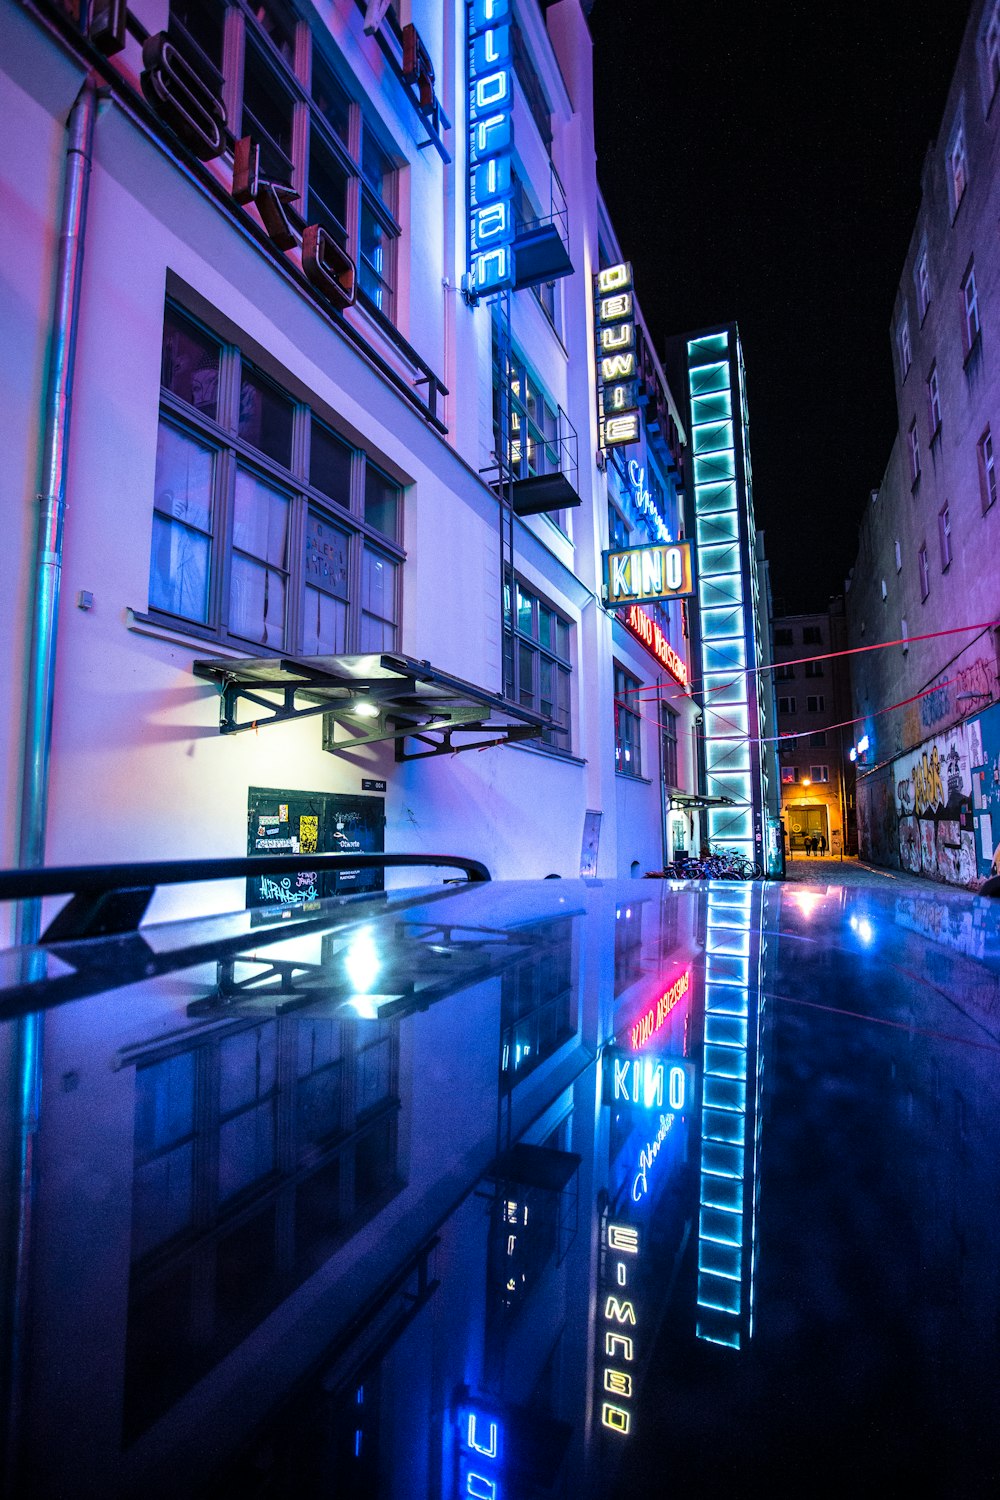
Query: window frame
[
  {"x": 295, "y": 76},
  {"x": 517, "y": 643},
  {"x": 986, "y": 459},
  {"x": 786, "y": 704},
  {"x": 819, "y": 775},
  {"x": 816, "y": 703},
  {"x": 913, "y": 444},
  {"x": 958, "y": 166},
  {"x": 628, "y": 722},
  {"x": 944, "y": 536},
  {"x": 903, "y": 346},
  {"x": 234, "y": 453},
  {"x": 971, "y": 325},
  {"x": 933, "y": 402},
  {"x": 924, "y": 571},
  {"x": 922, "y": 277}
]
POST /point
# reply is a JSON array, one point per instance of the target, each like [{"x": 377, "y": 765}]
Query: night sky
[{"x": 761, "y": 163}]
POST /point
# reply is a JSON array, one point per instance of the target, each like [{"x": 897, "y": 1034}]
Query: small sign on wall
[{"x": 370, "y": 784}]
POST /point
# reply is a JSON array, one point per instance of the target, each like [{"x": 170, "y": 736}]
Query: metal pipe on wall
[{"x": 56, "y": 410}]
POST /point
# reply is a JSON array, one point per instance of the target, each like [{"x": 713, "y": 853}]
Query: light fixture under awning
[{"x": 368, "y": 699}]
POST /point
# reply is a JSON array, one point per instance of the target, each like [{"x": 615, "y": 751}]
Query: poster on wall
[{"x": 294, "y": 822}]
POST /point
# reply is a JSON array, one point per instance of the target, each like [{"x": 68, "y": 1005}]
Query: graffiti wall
[{"x": 935, "y": 811}]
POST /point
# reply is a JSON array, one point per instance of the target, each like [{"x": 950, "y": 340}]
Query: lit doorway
[{"x": 804, "y": 823}]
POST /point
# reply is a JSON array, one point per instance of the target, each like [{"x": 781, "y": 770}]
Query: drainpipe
[{"x": 38, "y": 714}]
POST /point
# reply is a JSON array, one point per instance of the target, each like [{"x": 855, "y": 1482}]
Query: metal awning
[
  {"x": 368, "y": 699},
  {"x": 694, "y": 799}
]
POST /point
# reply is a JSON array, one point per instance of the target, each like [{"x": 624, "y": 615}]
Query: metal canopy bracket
[{"x": 367, "y": 700}]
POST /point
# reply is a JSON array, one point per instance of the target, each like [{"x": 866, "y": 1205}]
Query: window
[
  {"x": 537, "y": 660},
  {"x": 264, "y": 532},
  {"x": 786, "y": 705},
  {"x": 812, "y": 636},
  {"x": 933, "y": 403},
  {"x": 313, "y": 136},
  {"x": 784, "y": 673},
  {"x": 789, "y": 775},
  {"x": 958, "y": 167},
  {"x": 814, "y": 669},
  {"x": 904, "y": 636},
  {"x": 628, "y": 720},
  {"x": 819, "y": 773},
  {"x": 815, "y": 703},
  {"x": 923, "y": 281},
  {"x": 987, "y": 471},
  {"x": 899, "y": 556},
  {"x": 619, "y": 534},
  {"x": 531, "y": 86},
  {"x": 913, "y": 443},
  {"x": 991, "y": 50},
  {"x": 944, "y": 533},
  {"x": 784, "y": 637},
  {"x": 535, "y": 423},
  {"x": 817, "y": 741},
  {"x": 668, "y": 733},
  {"x": 528, "y": 215},
  {"x": 885, "y": 591},
  {"x": 970, "y": 310},
  {"x": 925, "y": 572},
  {"x": 903, "y": 347}
]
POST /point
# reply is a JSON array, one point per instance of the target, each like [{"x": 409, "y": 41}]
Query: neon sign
[
  {"x": 647, "y": 1156},
  {"x": 649, "y": 633},
  {"x": 634, "y": 574},
  {"x": 491, "y": 139},
  {"x": 651, "y": 1021},
  {"x": 618, "y": 1346},
  {"x": 480, "y": 1452},
  {"x": 617, "y": 375},
  {"x": 645, "y": 1082},
  {"x": 644, "y": 501}
]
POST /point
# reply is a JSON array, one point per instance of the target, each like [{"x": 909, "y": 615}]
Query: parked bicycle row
[{"x": 713, "y": 864}]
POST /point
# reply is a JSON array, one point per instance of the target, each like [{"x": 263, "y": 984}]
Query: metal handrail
[{"x": 112, "y": 899}]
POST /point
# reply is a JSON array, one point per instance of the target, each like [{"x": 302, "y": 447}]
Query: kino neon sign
[
  {"x": 619, "y": 1318},
  {"x": 647, "y": 1082},
  {"x": 649, "y": 633},
  {"x": 491, "y": 139},
  {"x": 645, "y": 574}
]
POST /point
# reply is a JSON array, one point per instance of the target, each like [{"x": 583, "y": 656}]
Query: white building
[{"x": 282, "y": 445}]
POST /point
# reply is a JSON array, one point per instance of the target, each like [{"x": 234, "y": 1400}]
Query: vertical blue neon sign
[
  {"x": 491, "y": 140},
  {"x": 481, "y": 1455}
]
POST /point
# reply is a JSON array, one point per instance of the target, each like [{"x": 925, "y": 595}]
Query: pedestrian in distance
[{"x": 822, "y": 843}]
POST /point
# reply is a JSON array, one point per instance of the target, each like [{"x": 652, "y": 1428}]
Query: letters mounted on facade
[
  {"x": 645, "y": 629},
  {"x": 616, "y": 364},
  {"x": 491, "y": 139},
  {"x": 635, "y": 575}
]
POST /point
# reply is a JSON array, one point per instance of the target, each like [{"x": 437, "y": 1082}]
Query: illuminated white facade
[{"x": 285, "y": 424}]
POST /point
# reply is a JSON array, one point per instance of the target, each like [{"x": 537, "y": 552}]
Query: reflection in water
[{"x": 500, "y": 1236}]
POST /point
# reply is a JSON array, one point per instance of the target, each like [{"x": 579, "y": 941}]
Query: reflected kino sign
[
  {"x": 649, "y": 633},
  {"x": 491, "y": 139},
  {"x": 656, "y": 1015},
  {"x": 646, "y": 574},
  {"x": 647, "y": 1082}
]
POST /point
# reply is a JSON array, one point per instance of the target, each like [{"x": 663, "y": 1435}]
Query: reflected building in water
[{"x": 408, "y": 1202}]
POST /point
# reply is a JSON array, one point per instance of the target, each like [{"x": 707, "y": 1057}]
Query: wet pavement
[
  {"x": 809, "y": 869},
  {"x": 521, "y": 1191}
]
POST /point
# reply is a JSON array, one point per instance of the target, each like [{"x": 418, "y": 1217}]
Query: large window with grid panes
[
  {"x": 537, "y": 659},
  {"x": 628, "y": 723},
  {"x": 269, "y": 529},
  {"x": 281, "y": 87}
]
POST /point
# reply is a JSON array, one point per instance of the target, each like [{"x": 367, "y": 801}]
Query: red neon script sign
[
  {"x": 649, "y": 633},
  {"x": 653, "y": 1018}
]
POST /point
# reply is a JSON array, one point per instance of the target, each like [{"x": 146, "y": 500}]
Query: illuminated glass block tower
[{"x": 731, "y": 623}]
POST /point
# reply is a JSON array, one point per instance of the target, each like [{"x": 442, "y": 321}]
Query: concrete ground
[{"x": 818, "y": 869}]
